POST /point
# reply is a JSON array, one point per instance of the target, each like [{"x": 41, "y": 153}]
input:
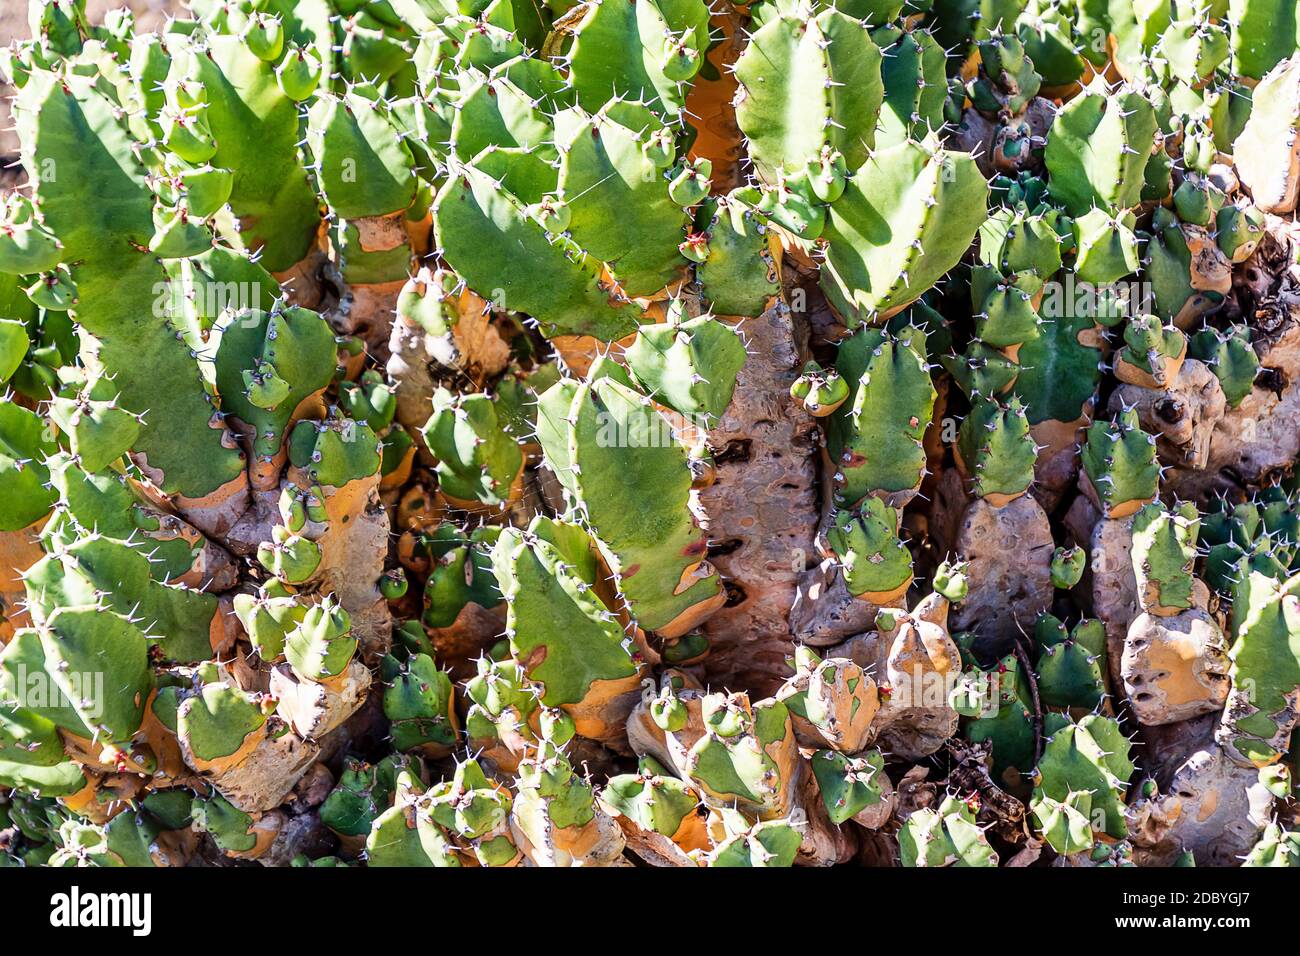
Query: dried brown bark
[{"x": 761, "y": 508}]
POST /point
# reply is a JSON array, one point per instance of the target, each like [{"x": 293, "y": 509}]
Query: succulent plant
[
  {"x": 1080, "y": 781},
  {"x": 521, "y": 434},
  {"x": 948, "y": 836}
]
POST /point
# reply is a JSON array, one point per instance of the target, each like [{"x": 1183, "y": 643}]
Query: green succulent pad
[
  {"x": 655, "y": 802},
  {"x": 99, "y": 431},
  {"x": 365, "y": 166},
  {"x": 255, "y": 131},
  {"x": 808, "y": 83},
  {"x": 736, "y": 235},
  {"x": 103, "y": 571},
  {"x": 25, "y": 443},
  {"x": 732, "y": 764},
  {"x": 321, "y": 645},
  {"x": 621, "y": 211},
  {"x": 334, "y": 452},
  {"x": 997, "y": 450},
  {"x": 1259, "y": 35},
  {"x": 874, "y": 439},
  {"x": 462, "y": 574},
  {"x": 69, "y": 120},
  {"x": 604, "y": 440},
  {"x": 267, "y": 365},
  {"x": 1059, "y": 369},
  {"x": 478, "y": 461},
  {"x": 905, "y": 218},
  {"x": 486, "y": 233},
  {"x": 362, "y": 793},
  {"x": 1097, "y": 149},
  {"x": 98, "y": 666},
  {"x": 1106, "y": 246},
  {"x": 999, "y": 706},
  {"x": 1007, "y": 80},
  {"x": 1119, "y": 460},
  {"x": 1005, "y": 311},
  {"x": 632, "y": 51},
  {"x": 559, "y": 628},
  {"x": 1276, "y": 847},
  {"x": 1080, "y": 781},
  {"x": 217, "y": 721},
  {"x": 1153, "y": 349},
  {"x": 769, "y": 843},
  {"x": 915, "y": 87},
  {"x": 948, "y": 836},
  {"x": 849, "y": 785},
  {"x": 1070, "y": 663},
  {"x": 1264, "y": 660},
  {"x": 690, "y": 366},
  {"x": 406, "y": 835},
  {"x": 877, "y": 565},
  {"x": 418, "y": 703},
  {"x": 1231, "y": 358},
  {"x": 1164, "y": 554}
]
